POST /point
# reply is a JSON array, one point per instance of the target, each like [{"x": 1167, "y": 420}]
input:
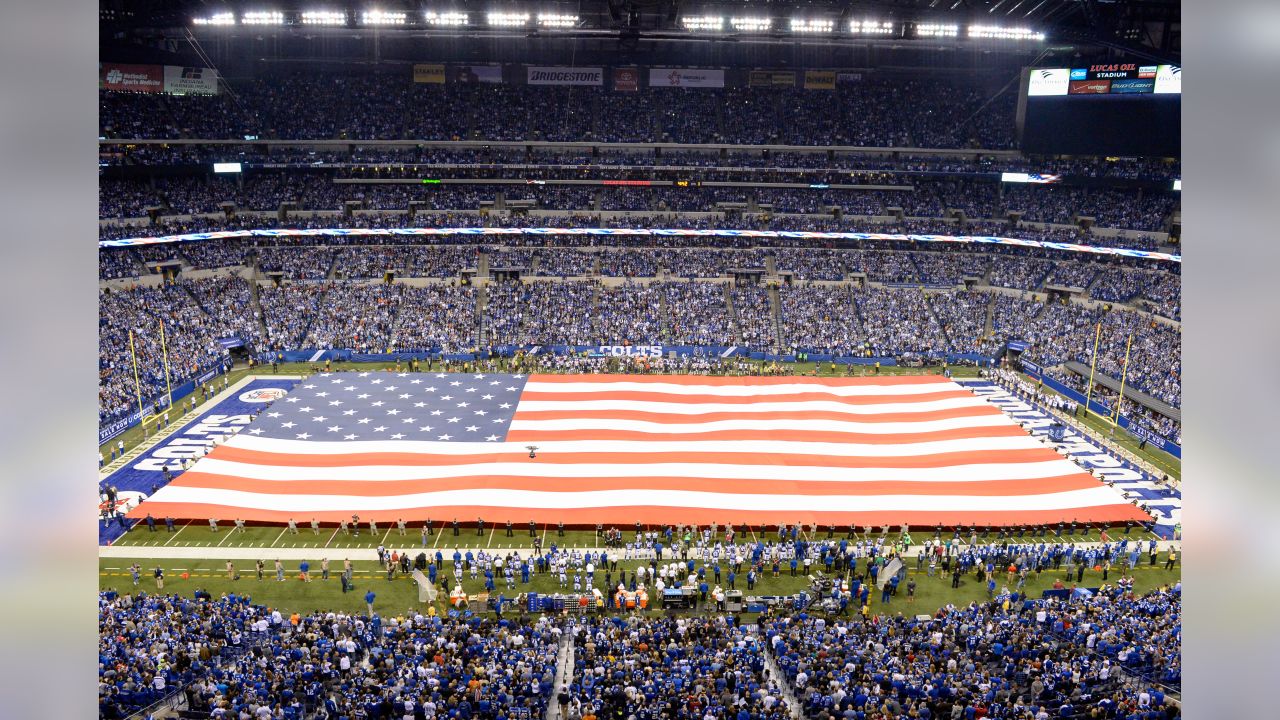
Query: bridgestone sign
[{"x": 566, "y": 76}]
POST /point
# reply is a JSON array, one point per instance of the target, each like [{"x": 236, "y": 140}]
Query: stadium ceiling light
[
  {"x": 380, "y": 17},
  {"x": 870, "y": 27},
  {"x": 451, "y": 19},
  {"x": 751, "y": 24},
  {"x": 557, "y": 21},
  {"x": 324, "y": 17},
  {"x": 503, "y": 19},
  {"x": 799, "y": 25},
  {"x": 223, "y": 18},
  {"x": 995, "y": 32},
  {"x": 270, "y": 17},
  {"x": 706, "y": 22},
  {"x": 933, "y": 30}
]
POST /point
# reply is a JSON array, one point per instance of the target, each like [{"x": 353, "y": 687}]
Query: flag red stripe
[
  {"x": 499, "y": 483},
  {"x": 658, "y": 516},
  {"x": 523, "y": 436},
  {"x": 949, "y": 459},
  {"x": 769, "y": 415},
  {"x": 730, "y": 381}
]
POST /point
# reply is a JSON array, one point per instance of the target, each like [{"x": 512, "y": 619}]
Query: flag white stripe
[
  {"x": 1090, "y": 497},
  {"x": 678, "y": 406},
  {"x": 739, "y": 390},
  {"x": 585, "y": 426},
  {"x": 533, "y": 468},
  {"x": 771, "y": 447}
]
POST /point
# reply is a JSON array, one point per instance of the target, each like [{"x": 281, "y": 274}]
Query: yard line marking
[
  {"x": 273, "y": 542},
  {"x": 491, "y": 532},
  {"x": 331, "y": 537},
  {"x": 228, "y": 537},
  {"x": 384, "y": 537}
]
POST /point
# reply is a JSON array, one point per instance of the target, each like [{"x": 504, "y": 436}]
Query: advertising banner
[
  {"x": 772, "y": 78},
  {"x": 1049, "y": 81},
  {"x": 1132, "y": 85},
  {"x": 566, "y": 76},
  {"x": 819, "y": 80},
  {"x": 626, "y": 79},
  {"x": 131, "y": 78},
  {"x": 849, "y": 77},
  {"x": 686, "y": 77},
  {"x": 190, "y": 80},
  {"x": 1169, "y": 80},
  {"x": 430, "y": 74},
  {"x": 479, "y": 73},
  {"x": 1089, "y": 87}
]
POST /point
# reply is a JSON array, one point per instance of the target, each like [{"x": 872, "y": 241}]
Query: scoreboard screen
[{"x": 1127, "y": 109}]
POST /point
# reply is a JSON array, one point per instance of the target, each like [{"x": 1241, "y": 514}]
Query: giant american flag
[{"x": 619, "y": 449}]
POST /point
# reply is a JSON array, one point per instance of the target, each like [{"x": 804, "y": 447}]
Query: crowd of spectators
[
  {"x": 882, "y": 313},
  {"x": 629, "y": 314},
  {"x": 540, "y": 313},
  {"x": 1019, "y": 273},
  {"x": 875, "y": 111},
  {"x": 686, "y": 668},
  {"x": 820, "y": 319},
  {"x": 436, "y": 318},
  {"x": 1005, "y": 658},
  {"x": 232, "y": 658},
  {"x": 753, "y": 310}
]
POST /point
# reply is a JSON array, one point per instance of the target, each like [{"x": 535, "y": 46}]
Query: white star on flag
[
  {"x": 363, "y": 421},
  {"x": 349, "y": 437},
  {"x": 473, "y": 428},
  {"x": 446, "y": 437},
  {"x": 287, "y": 425},
  {"x": 348, "y": 412},
  {"x": 334, "y": 428},
  {"x": 255, "y": 431},
  {"x": 303, "y": 436},
  {"x": 380, "y": 428},
  {"x": 397, "y": 436},
  {"x": 492, "y": 438}
]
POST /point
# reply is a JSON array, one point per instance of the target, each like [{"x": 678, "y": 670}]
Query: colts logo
[{"x": 262, "y": 395}]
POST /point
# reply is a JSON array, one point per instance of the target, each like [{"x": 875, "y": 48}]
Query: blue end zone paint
[
  {"x": 145, "y": 473},
  {"x": 1163, "y": 503}
]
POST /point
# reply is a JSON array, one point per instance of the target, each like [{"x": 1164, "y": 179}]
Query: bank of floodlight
[
  {"x": 446, "y": 19},
  {"x": 506, "y": 19},
  {"x": 934, "y": 30},
  {"x": 870, "y": 27},
  {"x": 323, "y": 17},
  {"x": 995, "y": 32},
  {"x": 383, "y": 17},
  {"x": 552, "y": 20},
  {"x": 751, "y": 24},
  {"x": 799, "y": 25},
  {"x": 266, "y": 17},
  {"x": 703, "y": 22},
  {"x": 222, "y": 18}
]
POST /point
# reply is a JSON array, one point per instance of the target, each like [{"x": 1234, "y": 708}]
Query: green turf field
[
  {"x": 401, "y": 593},
  {"x": 198, "y": 534}
]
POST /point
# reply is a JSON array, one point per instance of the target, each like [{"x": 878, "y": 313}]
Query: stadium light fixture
[
  {"x": 446, "y": 19},
  {"x": 994, "y": 32},
  {"x": 934, "y": 30},
  {"x": 324, "y": 17},
  {"x": 381, "y": 17},
  {"x": 870, "y": 27},
  {"x": 268, "y": 17},
  {"x": 799, "y": 25},
  {"x": 705, "y": 22},
  {"x": 751, "y": 24},
  {"x": 552, "y": 20},
  {"x": 222, "y": 18},
  {"x": 505, "y": 19}
]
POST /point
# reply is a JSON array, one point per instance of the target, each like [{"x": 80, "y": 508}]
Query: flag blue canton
[{"x": 422, "y": 407}]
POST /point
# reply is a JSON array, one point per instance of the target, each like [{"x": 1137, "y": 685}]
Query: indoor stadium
[{"x": 639, "y": 360}]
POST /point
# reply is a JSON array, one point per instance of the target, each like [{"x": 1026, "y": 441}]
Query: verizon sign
[
  {"x": 566, "y": 76},
  {"x": 686, "y": 77}
]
